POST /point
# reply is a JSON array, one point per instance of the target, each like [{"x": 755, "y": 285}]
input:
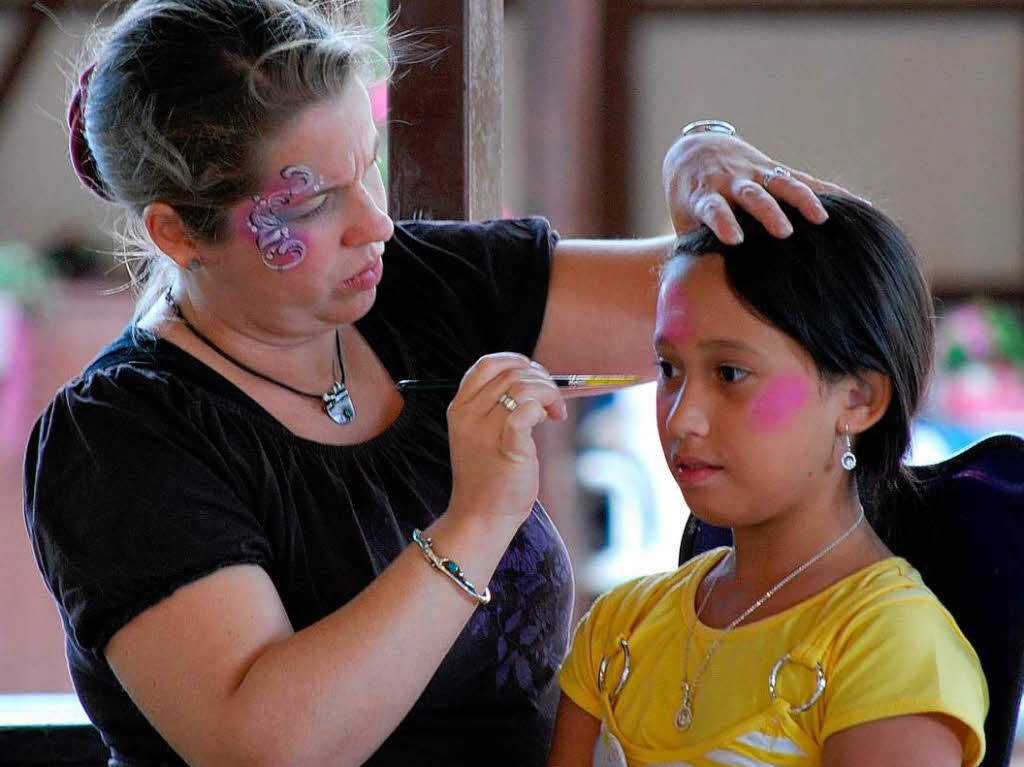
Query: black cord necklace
[{"x": 336, "y": 400}]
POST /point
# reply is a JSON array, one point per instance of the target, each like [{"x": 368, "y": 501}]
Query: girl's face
[
  {"x": 747, "y": 426},
  {"x": 304, "y": 252}
]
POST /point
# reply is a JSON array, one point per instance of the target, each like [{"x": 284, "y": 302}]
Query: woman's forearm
[
  {"x": 600, "y": 309},
  {"x": 225, "y": 684},
  {"x": 334, "y": 691}
]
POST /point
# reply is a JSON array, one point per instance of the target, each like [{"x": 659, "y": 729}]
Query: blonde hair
[{"x": 184, "y": 94}]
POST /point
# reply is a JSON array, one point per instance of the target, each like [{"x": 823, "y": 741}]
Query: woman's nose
[{"x": 370, "y": 222}]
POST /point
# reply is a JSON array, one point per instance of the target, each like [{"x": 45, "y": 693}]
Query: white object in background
[
  {"x": 41, "y": 709},
  {"x": 646, "y": 512}
]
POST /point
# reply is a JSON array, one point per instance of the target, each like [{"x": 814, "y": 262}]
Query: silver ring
[
  {"x": 819, "y": 684},
  {"x": 508, "y": 403},
  {"x": 769, "y": 175}
]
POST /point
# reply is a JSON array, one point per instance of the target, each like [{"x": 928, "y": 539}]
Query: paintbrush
[{"x": 563, "y": 382}]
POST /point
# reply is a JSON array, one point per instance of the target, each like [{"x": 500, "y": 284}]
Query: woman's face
[
  {"x": 746, "y": 424},
  {"x": 304, "y": 253}
]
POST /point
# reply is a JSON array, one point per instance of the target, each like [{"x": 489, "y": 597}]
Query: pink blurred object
[
  {"x": 984, "y": 396},
  {"x": 379, "y": 102},
  {"x": 979, "y": 376},
  {"x": 15, "y": 378}
]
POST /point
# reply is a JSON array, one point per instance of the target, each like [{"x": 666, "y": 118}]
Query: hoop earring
[{"x": 848, "y": 460}]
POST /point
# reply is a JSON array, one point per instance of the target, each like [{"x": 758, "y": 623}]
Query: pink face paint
[
  {"x": 674, "y": 323},
  {"x": 279, "y": 249},
  {"x": 781, "y": 397}
]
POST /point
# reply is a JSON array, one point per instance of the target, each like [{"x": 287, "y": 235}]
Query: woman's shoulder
[
  {"x": 428, "y": 233},
  {"x": 137, "y": 382}
]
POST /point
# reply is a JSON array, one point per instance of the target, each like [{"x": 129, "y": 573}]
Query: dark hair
[
  {"x": 185, "y": 92},
  {"x": 851, "y": 293}
]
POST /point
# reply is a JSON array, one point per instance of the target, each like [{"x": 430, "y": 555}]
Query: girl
[{"x": 789, "y": 374}]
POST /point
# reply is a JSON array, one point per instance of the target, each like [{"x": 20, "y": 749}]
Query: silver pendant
[
  {"x": 684, "y": 716},
  {"x": 338, "y": 404},
  {"x": 607, "y": 750}
]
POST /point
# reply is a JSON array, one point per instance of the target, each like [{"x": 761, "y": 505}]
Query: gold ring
[{"x": 507, "y": 402}]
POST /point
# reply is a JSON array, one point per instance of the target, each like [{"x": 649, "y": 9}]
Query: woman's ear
[
  {"x": 169, "y": 233},
  {"x": 866, "y": 398}
]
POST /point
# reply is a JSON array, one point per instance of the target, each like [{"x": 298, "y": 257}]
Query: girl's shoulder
[
  {"x": 631, "y": 602},
  {"x": 889, "y": 601}
]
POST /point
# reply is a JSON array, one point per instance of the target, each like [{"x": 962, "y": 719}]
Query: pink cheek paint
[
  {"x": 279, "y": 247},
  {"x": 775, "y": 405}
]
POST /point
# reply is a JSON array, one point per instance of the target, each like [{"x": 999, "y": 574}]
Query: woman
[{"x": 223, "y": 503}]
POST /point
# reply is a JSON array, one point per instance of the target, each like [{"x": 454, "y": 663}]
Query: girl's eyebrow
[
  {"x": 714, "y": 344},
  {"x": 728, "y": 344}
]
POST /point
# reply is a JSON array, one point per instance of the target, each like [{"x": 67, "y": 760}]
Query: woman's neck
[{"x": 304, "y": 360}]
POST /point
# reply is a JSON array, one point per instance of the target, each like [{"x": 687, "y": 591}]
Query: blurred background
[{"x": 918, "y": 106}]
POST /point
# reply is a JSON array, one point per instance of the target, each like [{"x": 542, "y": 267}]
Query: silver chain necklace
[{"x": 684, "y": 716}]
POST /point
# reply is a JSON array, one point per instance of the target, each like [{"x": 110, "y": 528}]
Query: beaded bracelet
[{"x": 449, "y": 568}]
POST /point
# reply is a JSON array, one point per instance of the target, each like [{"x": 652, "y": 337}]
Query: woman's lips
[{"x": 368, "y": 278}]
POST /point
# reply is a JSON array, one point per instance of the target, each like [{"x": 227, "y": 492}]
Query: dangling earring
[
  {"x": 194, "y": 264},
  {"x": 848, "y": 459}
]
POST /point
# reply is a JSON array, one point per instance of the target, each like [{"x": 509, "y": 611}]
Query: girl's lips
[
  {"x": 695, "y": 474},
  {"x": 368, "y": 278}
]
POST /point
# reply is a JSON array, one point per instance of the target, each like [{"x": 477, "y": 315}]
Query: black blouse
[{"x": 151, "y": 470}]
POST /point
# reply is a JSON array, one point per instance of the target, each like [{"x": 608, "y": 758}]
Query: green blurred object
[
  {"x": 981, "y": 331},
  {"x": 24, "y": 276}
]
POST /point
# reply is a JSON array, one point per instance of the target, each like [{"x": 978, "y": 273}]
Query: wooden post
[{"x": 444, "y": 130}]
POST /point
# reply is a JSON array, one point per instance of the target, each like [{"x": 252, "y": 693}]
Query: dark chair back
[{"x": 964, "y": 531}]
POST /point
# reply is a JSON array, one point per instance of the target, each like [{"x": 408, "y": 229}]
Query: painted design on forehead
[
  {"x": 278, "y": 248},
  {"x": 674, "y": 320},
  {"x": 781, "y": 397}
]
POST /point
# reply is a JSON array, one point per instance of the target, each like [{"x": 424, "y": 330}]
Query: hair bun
[{"x": 82, "y": 159}]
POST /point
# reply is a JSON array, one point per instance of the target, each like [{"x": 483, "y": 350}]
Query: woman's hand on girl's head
[
  {"x": 490, "y": 425},
  {"x": 705, "y": 175}
]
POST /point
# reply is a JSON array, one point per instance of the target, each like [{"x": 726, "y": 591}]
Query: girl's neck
[{"x": 768, "y": 552}]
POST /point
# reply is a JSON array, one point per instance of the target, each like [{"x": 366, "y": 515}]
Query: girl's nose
[{"x": 687, "y": 416}]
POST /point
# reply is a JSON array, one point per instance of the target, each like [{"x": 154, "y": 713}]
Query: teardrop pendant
[
  {"x": 338, "y": 404},
  {"x": 684, "y": 716}
]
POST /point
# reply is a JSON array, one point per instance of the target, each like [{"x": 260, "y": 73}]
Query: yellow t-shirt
[{"x": 886, "y": 646}]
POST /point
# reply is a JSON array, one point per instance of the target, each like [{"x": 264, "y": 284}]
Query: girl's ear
[
  {"x": 866, "y": 398},
  {"x": 168, "y": 233}
]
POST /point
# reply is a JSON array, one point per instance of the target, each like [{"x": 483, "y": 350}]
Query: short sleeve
[
  {"x": 610, "y": 617},
  {"x": 127, "y": 499},
  {"x": 578, "y": 675},
  {"x": 906, "y": 657},
  {"x": 485, "y": 280}
]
